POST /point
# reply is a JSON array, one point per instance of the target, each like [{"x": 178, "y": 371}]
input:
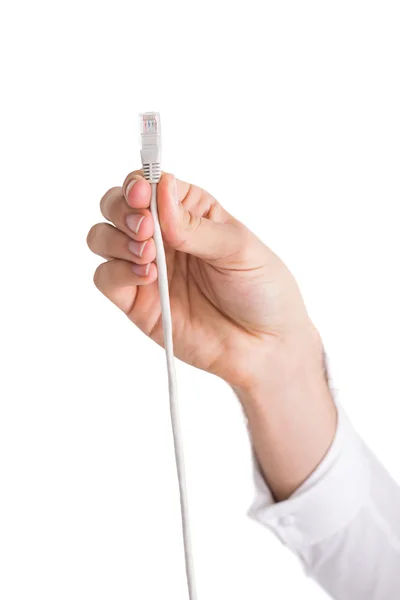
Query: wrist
[
  {"x": 291, "y": 416},
  {"x": 295, "y": 365}
]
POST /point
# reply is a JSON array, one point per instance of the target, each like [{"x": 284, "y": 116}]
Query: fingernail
[
  {"x": 137, "y": 248},
  {"x": 129, "y": 187},
  {"x": 134, "y": 222},
  {"x": 141, "y": 270}
]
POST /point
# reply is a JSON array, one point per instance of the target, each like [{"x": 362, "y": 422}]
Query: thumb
[{"x": 185, "y": 228}]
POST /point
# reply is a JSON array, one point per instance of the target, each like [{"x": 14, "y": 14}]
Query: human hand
[{"x": 236, "y": 309}]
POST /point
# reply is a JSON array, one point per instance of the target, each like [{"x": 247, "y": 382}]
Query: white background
[{"x": 289, "y": 113}]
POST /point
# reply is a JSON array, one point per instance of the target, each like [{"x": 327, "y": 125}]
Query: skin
[{"x": 237, "y": 313}]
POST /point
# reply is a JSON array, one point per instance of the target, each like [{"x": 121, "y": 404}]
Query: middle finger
[{"x": 107, "y": 241}]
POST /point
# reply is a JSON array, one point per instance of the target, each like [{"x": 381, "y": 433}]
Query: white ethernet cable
[{"x": 150, "y": 126}]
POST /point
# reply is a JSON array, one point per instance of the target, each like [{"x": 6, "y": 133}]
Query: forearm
[
  {"x": 343, "y": 521},
  {"x": 318, "y": 487},
  {"x": 292, "y": 419}
]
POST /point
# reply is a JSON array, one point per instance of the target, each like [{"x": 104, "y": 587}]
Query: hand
[{"x": 233, "y": 301}]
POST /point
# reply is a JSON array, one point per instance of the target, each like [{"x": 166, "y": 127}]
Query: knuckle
[
  {"x": 98, "y": 277},
  {"x": 243, "y": 235},
  {"x": 192, "y": 222},
  {"x": 97, "y": 238},
  {"x": 106, "y": 201},
  {"x": 91, "y": 236}
]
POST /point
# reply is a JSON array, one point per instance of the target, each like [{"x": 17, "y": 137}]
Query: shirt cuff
[{"x": 326, "y": 502}]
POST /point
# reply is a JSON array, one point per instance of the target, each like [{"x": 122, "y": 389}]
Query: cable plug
[{"x": 150, "y": 128}]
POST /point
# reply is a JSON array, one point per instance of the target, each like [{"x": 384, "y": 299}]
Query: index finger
[{"x": 137, "y": 191}]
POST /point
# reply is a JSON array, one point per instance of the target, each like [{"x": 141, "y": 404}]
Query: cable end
[
  {"x": 150, "y": 124},
  {"x": 150, "y": 130}
]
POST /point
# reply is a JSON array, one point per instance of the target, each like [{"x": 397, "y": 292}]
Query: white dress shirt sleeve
[{"x": 343, "y": 522}]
